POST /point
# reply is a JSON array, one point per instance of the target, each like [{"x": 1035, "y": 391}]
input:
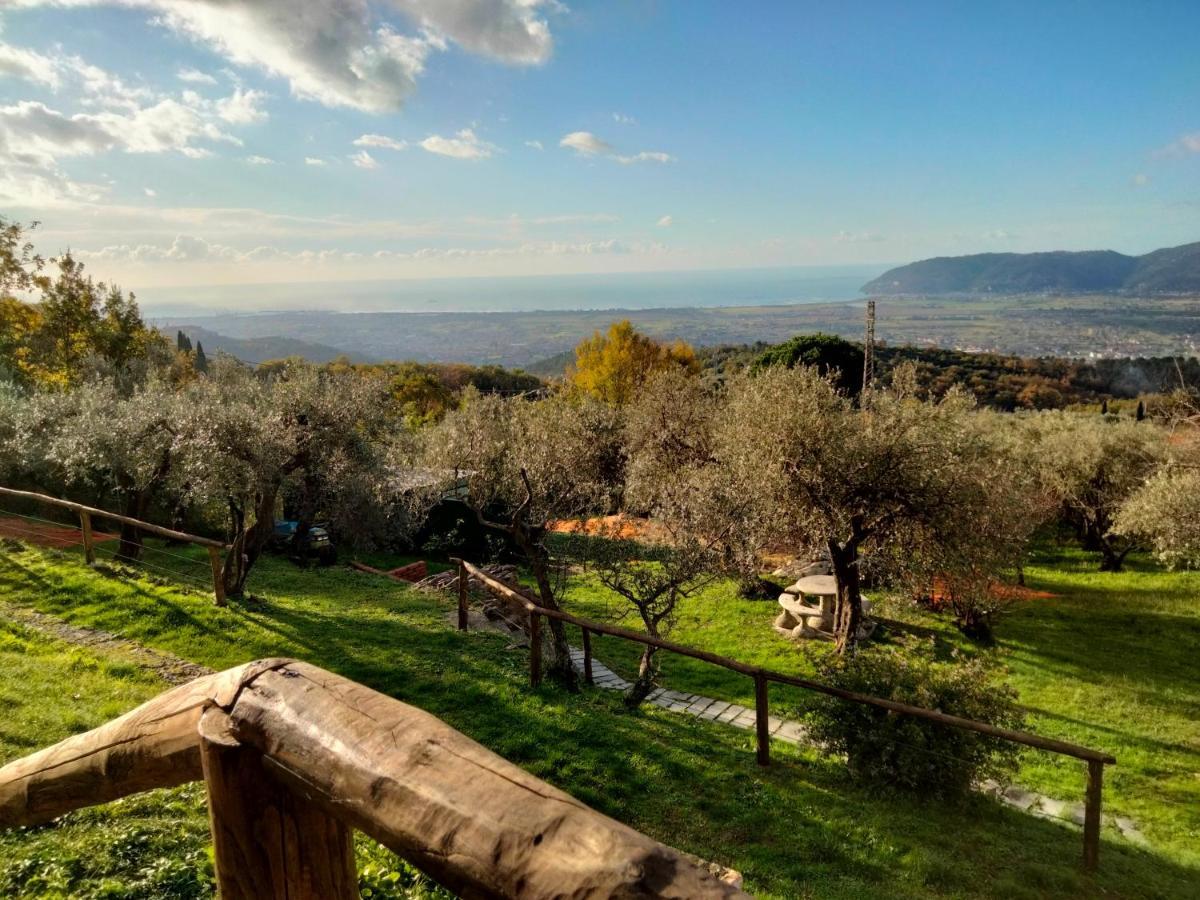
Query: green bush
[{"x": 907, "y": 752}]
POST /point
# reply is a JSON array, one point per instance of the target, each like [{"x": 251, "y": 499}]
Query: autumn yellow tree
[
  {"x": 613, "y": 367},
  {"x": 68, "y": 320}
]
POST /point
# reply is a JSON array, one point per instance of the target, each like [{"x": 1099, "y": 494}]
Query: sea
[{"x": 641, "y": 290}]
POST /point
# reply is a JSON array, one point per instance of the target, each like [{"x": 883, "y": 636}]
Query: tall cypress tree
[
  {"x": 201, "y": 359},
  {"x": 183, "y": 342}
]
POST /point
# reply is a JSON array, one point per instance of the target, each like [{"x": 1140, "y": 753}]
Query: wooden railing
[
  {"x": 88, "y": 513},
  {"x": 295, "y": 757},
  {"x": 1095, "y": 759}
]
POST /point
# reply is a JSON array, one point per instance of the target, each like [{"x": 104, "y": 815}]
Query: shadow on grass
[{"x": 797, "y": 828}]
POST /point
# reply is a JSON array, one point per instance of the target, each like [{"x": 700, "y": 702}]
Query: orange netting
[{"x": 45, "y": 534}]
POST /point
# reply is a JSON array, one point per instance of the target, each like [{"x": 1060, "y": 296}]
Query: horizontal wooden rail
[
  {"x": 86, "y": 513},
  {"x": 293, "y": 755},
  {"x": 1096, "y": 759},
  {"x": 1019, "y": 737},
  {"x": 116, "y": 517}
]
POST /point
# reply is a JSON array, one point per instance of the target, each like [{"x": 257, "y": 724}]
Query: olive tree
[
  {"x": 527, "y": 463},
  {"x": 249, "y": 439},
  {"x": 1164, "y": 512},
  {"x": 1095, "y": 465},
  {"x": 99, "y": 438},
  {"x": 673, "y": 474},
  {"x": 896, "y": 484}
]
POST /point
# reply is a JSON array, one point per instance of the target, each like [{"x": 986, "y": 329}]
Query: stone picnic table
[{"x": 802, "y": 618}]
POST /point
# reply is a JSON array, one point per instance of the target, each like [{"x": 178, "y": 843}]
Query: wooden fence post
[
  {"x": 1091, "y": 815},
  {"x": 270, "y": 843},
  {"x": 587, "y": 656},
  {"x": 462, "y": 596},
  {"x": 89, "y": 544},
  {"x": 214, "y": 561},
  {"x": 535, "y": 649},
  {"x": 762, "y": 732}
]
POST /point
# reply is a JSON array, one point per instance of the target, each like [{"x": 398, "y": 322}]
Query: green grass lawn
[
  {"x": 797, "y": 829},
  {"x": 1109, "y": 662}
]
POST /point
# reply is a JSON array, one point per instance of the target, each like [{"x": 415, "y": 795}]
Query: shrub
[{"x": 905, "y": 751}]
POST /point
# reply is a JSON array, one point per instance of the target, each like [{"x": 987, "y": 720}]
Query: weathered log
[
  {"x": 470, "y": 819},
  {"x": 473, "y": 821},
  {"x": 153, "y": 746},
  {"x": 270, "y": 843}
]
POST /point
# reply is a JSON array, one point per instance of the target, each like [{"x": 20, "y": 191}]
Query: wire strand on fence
[
  {"x": 61, "y": 543},
  {"x": 173, "y": 573}
]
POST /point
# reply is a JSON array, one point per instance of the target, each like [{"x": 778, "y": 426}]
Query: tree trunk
[
  {"x": 847, "y": 613},
  {"x": 1112, "y": 559},
  {"x": 560, "y": 666},
  {"x": 249, "y": 544},
  {"x": 647, "y": 673},
  {"x": 130, "y": 549}
]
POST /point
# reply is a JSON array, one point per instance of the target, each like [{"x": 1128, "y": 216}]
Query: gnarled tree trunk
[
  {"x": 249, "y": 542},
  {"x": 847, "y": 610}
]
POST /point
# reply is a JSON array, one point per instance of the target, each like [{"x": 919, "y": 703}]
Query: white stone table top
[{"x": 818, "y": 585}]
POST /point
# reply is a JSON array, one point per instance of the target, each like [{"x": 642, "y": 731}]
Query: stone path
[
  {"x": 793, "y": 732},
  {"x": 167, "y": 666},
  {"x": 694, "y": 704}
]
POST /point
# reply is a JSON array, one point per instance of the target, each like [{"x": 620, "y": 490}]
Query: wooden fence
[
  {"x": 1095, "y": 759},
  {"x": 88, "y": 513},
  {"x": 294, "y": 757}
]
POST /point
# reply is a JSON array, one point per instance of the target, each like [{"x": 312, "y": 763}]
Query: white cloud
[
  {"x": 585, "y": 143},
  {"x": 18, "y": 62},
  {"x": 190, "y": 249},
  {"x": 999, "y": 234},
  {"x": 1141, "y": 179},
  {"x": 196, "y": 152},
  {"x": 858, "y": 237},
  {"x": 464, "y": 145},
  {"x": 314, "y": 161},
  {"x": 665, "y": 222},
  {"x": 622, "y": 119},
  {"x": 339, "y": 52},
  {"x": 195, "y": 76},
  {"x": 150, "y": 192},
  {"x": 507, "y": 30},
  {"x": 645, "y": 156},
  {"x": 242, "y": 107},
  {"x": 364, "y": 160},
  {"x": 260, "y": 160},
  {"x": 1186, "y": 144},
  {"x": 380, "y": 140},
  {"x": 536, "y": 145}
]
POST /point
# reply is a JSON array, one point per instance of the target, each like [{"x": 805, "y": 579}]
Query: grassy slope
[
  {"x": 1109, "y": 663},
  {"x": 796, "y": 829}
]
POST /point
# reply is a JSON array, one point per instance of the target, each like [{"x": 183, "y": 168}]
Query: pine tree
[{"x": 201, "y": 359}]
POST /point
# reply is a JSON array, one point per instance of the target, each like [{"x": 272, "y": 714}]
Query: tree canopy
[{"x": 614, "y": 366}]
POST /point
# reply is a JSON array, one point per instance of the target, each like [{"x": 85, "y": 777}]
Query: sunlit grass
[{"x": 797, "y": 829}]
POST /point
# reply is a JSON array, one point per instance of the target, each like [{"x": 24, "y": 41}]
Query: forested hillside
[{"x": 1170, "y": 270}]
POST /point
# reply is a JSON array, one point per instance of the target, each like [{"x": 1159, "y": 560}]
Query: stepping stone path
[{"x": 791, "y": 732}]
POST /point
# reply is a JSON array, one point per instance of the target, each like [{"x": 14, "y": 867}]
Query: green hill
[{"x": 1171, "y": 270}]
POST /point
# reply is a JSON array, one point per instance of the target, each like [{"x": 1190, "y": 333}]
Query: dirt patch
[
  {"x": 47, "y": 535},
  {"x": 611, "y": 526}
]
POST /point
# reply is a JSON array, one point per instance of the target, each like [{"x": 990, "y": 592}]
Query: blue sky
[{"x": 176, "y": 142}]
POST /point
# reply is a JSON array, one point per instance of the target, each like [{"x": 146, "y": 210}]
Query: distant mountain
[
  {"x": 259, "y": 349},
  {"x": 1172, "y": 270}
]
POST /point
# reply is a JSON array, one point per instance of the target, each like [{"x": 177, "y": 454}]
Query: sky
[{"x": 193, "y": 142}]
